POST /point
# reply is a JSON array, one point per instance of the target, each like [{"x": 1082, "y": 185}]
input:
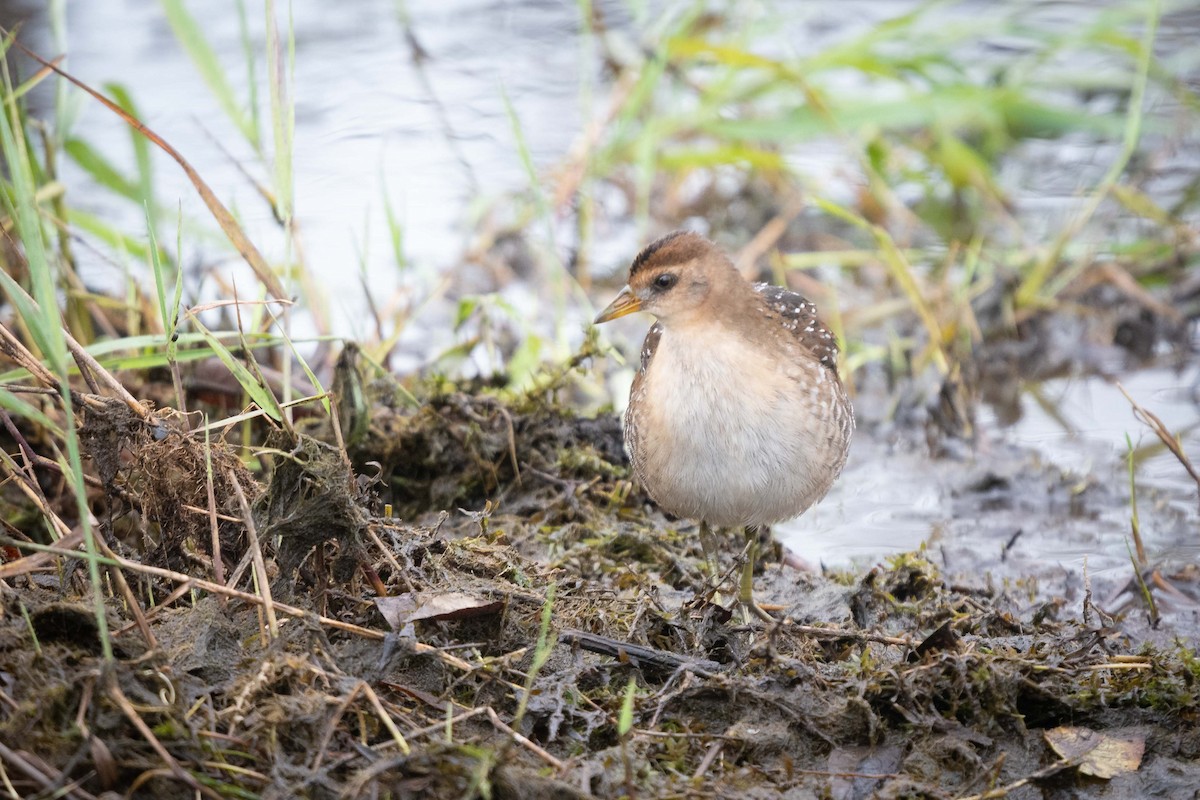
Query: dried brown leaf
[
  {"x": 1101, "y": 755},
  {"x": 414, "y": 606}
]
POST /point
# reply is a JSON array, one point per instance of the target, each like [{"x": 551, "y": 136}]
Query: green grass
[
  {"x": 919, "y": 111},
  {"x": 909, "y": 102},
  {"x": 39, "y": 315}
]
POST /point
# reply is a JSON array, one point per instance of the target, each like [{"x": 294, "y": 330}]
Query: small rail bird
[{"x": 737, "y": 416}]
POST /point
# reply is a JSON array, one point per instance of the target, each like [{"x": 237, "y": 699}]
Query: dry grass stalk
[
  {"x": 226, "y": 220},
  {"x": 1169, "y": 440},
  {"x": 361, "y": 687},
  {"x": 262, "y": 580},
  {"x": 127, "y": 708},
  {"x": 40, "y": 773},
  {"x": 523, "y": 740}
]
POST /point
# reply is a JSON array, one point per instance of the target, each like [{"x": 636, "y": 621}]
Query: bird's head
[{"x": 675, "y": 278}]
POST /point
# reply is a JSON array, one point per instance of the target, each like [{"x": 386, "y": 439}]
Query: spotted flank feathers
[
  {"x": 799, "y": 316},
  {"x": 736, "y": 415}
]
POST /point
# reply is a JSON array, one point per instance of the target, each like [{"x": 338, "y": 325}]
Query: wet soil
[{"x": 474, "y": 601}]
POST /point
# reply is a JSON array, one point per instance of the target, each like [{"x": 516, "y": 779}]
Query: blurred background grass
[{"x": 933, "y": 173}]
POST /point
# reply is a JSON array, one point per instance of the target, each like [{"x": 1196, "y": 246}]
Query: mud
[{"x": 548, "y": 633}]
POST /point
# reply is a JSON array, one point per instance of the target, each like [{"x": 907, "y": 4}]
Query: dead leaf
[
  {"x": 405, "y": 609},
  {"x": 1101, "y": 755},
  {"x": 944, "y": 638}
]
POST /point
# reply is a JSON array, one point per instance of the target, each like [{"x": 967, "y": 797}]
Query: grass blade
[
  {"x": 233, "y": 231},
  {"x": 188, "y": 31}
]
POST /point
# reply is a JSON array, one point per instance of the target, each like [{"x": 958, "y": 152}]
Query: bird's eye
[{"x": 664, "y": 281}]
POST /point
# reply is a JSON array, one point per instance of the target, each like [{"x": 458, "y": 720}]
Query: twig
[
  {"x": 88, "y": 377},
  {"x": 106, "y": 377},
  {"x": 13, "y": 347},
  {"x": 27, "y": 769},
  {"x": 639, "y": 654},
  {"x": 710, "y": 756},
  {"x": 84, "y": 359},
  {"x": 824, "y": 773},
  {"x": 102, "y": 759},
  {"x": 360, "y": 687},
  {"x": 130, "y": 599},
  {"x": 841, "y": 633},
  {"x": 1158, "y": 580},
  {"x": 523, "y": 741},
  {"x": 38, "y": 460},
  {"x": 1004, "y": 791},
  {"x": 389, "y": 557},
  {"x": 29, "y": 485},
  {"x": 214, "y": 532},
  {"x": 260, "y": 566},
  {"x": 28, "y": 564},
  {"x": 151, "y": 613},
  {"x": 206, "y": 512},
  {"x": 442, "y": 724},
  {"x": 512, "y": 443}
]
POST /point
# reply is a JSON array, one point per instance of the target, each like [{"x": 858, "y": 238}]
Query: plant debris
[
  {"x": 413, "y": 666},
  {"x": 1099, "y": 755}
]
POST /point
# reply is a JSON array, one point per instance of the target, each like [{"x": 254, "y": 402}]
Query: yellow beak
[{"x": 624, "y": 303}]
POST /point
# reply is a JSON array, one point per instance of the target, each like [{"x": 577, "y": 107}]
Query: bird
[{"x": 737, "y": 417}]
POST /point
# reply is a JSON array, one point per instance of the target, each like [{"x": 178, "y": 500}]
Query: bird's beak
[{"x": 624, "y": 303}]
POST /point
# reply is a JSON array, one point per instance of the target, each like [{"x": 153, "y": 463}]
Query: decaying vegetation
[
  {"x": 218, "y": 578},
  {"x": 566, "y": 645}
]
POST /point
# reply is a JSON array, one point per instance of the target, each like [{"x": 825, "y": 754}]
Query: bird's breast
[{"x": 735, "y": 434}]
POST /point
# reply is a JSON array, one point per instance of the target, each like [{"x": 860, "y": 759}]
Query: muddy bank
[{"x": 525, "y": 623}]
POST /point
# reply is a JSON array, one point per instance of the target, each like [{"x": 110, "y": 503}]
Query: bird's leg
[
  {"x": 746, "y": 588},
  {"x": 710, "y": 544}
]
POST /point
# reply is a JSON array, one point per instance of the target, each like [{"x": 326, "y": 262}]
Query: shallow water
[
  {"x": 1059, "y": 475},
  {"x": 436, "y": 140}
]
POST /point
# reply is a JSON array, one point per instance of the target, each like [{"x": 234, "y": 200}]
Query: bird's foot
[{"x": 752, "y": 611}]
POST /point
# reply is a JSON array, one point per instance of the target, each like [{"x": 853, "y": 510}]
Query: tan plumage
[{"x": 737, "y": 416}]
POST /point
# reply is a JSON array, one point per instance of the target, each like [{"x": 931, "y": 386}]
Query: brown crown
[{"x": 674, "y": 248}]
